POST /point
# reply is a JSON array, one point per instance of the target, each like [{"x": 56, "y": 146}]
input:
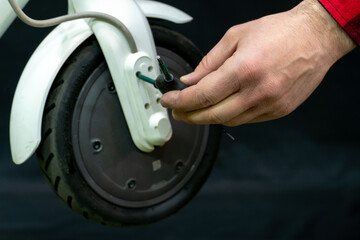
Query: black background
[{"x": 293, "y": 178}]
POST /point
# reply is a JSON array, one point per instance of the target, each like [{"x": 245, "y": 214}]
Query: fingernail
[{"x": 187, "y": 77}]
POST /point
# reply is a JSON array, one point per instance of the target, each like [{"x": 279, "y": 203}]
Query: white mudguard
[{"x": 45, "y": 63}]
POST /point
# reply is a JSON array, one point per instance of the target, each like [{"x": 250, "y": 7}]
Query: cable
[{"x": 57, "y": 20}]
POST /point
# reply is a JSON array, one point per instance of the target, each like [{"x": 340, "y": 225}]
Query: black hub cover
[{"x": 108, "y": 158}]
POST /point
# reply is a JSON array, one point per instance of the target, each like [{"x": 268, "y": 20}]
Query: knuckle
[
  {"x": 205, "y": 62},
  {"x": 178, "y": 102},
  {"x": 204, "y": 99},
  {"x": 233, "y": 31},
  {"x": 235, "y": 85},
  {"x": 272, "y": 91},
  {"x": 170, "y": 100},
  {"x": 214, "y": 117},
  {"x": 252, "y": 69},
  {"x": 283, "y": 108}
]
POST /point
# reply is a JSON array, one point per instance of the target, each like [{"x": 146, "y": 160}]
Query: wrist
[{"x": 325, "y": 29}]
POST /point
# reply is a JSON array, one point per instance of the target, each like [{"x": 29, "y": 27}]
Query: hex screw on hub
[
  {"x": 131, "y": 184},
  {"x": 179, "y": 166},
  {"x": 111, "y": 87},
  {"x": 97, "y": 145}
]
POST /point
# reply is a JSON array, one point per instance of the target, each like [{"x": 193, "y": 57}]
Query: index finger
[
  {"x": 210, "y": 90},
  {"x": 215, "y": 58}
]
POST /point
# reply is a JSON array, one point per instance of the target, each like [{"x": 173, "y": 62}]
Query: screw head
[
  {"x": 179, "y": 166},
  {"x": 97, "y": 145},
  {"x": 111, "y": 87},
  {"x": 131, "y": 184}
]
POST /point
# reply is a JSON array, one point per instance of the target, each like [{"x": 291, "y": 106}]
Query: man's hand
[{"x": 261, "y": 70}]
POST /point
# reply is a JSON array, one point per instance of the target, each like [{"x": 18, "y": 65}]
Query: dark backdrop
[{"x": 293, "y": 178}]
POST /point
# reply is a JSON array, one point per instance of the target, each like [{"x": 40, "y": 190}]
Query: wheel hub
[{"x": 110, "y": 162}]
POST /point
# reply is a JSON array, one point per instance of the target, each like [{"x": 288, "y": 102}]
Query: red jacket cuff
[{"x": 347, "y": 14}]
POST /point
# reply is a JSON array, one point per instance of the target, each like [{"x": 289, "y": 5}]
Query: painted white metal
[
  {"x": 7, "y": 15},
  {"x": 159, "y": 10},
  {"x": 35, "y": 82}
]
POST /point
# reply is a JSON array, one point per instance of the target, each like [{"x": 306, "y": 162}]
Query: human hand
[{"x": 263, "y": 69}]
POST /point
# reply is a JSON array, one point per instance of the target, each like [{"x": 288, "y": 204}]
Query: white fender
[
  {"x": 159, "y": 10},
  {"x": 42, "y": 68}
]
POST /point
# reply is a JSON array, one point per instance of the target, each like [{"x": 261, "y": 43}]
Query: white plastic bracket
[{"x": 149, "y": 120}]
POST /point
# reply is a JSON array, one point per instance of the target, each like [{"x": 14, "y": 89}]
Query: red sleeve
[{"x": 347, "y": 14}]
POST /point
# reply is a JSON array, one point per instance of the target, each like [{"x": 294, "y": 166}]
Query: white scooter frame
[{"x": 148, "y": 122}]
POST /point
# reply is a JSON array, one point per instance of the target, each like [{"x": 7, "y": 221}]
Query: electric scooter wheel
[{"x": 87, "y": 154}]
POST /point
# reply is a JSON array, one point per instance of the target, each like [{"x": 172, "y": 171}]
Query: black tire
[{"x": 66, "y": 166}]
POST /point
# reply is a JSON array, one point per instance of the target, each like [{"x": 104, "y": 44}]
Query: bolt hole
[
  {"x": 158, "y": 100},
  {"x": 147, "y": 106},
  {"x": 150, "y": 68},
  {"x": 138, "y": 73}
]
